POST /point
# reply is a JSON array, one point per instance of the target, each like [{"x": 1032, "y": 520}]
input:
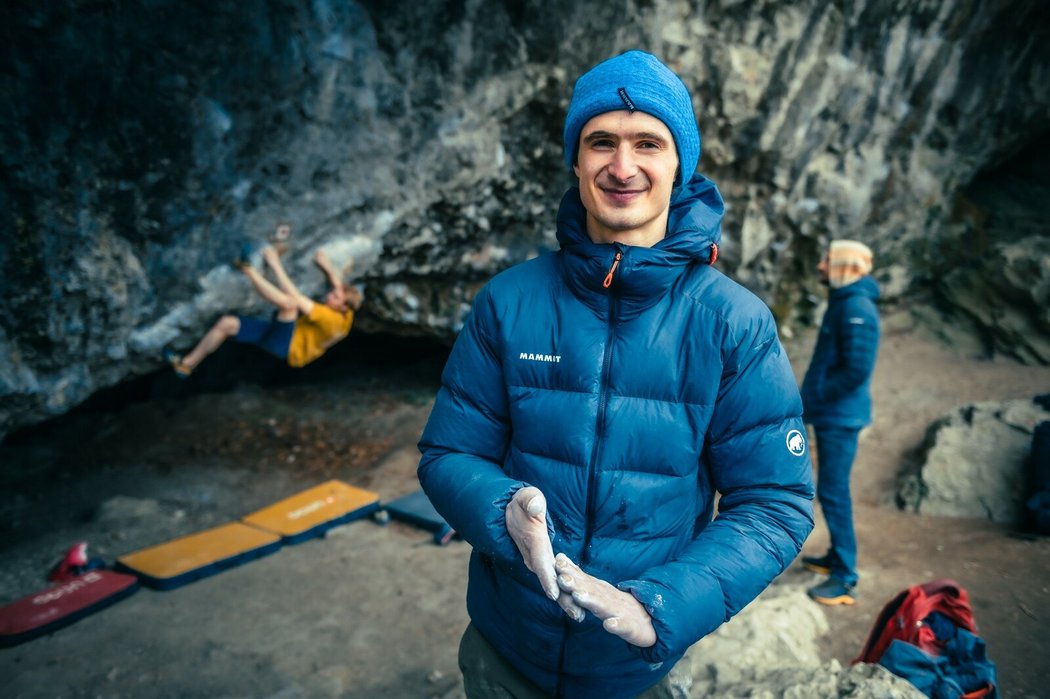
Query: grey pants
[{"x": 486, "y": 675}]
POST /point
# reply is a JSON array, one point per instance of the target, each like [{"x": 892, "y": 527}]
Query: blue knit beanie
[{"x": 635, "y": 81}]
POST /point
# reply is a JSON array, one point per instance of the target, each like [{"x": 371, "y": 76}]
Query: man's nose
[{"x": 622, "y": 167}]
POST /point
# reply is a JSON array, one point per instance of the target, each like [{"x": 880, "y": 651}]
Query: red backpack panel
[{"x": 902, "y": 618}]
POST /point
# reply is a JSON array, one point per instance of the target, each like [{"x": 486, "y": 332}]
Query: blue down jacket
[
  {"x": 836, "y": 390},
  {"x": 629, "y": 407}
]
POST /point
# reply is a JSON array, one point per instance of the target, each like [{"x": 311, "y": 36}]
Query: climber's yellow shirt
[{"x": 315, "y": 332}]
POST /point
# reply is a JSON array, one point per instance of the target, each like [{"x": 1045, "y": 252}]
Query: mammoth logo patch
[{"x": 796, "y": 443}]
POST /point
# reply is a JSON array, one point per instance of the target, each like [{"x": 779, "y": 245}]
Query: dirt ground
[{"x": 374, "y": 611}]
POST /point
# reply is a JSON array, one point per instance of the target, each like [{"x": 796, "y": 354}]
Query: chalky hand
[
  {"x": 621, "y": 614},
  {"x": 526, "y": 517}
]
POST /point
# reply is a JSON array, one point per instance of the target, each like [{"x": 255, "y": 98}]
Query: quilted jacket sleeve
[
  {"x": 466, "y": 437},
  {"x": 765, "y": 511},
  {"x": 857, "y": 341}
]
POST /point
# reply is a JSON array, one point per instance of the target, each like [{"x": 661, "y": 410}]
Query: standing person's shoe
[
  {"x": 832, "y": 592},
  {"x": 817, "y": 564},
  {"x": 183, "y": 371}
]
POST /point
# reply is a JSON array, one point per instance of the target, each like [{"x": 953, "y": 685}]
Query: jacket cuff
[{"x": 679, "y": 621}]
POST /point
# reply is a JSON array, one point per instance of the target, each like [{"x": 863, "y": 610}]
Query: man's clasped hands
[{"x": 575, "y": 591}]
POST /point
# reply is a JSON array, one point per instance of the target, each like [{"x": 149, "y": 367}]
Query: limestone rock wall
[{"x": 142, "y": 142}]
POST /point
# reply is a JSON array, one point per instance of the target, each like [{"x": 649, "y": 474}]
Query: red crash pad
[{"x": 62, "y": 604}]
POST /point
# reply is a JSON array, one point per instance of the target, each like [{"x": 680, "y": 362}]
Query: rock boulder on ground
[{"x": 973, "y": 462}]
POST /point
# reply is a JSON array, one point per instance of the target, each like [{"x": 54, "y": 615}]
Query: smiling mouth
[{"x": 621, "y": 195}]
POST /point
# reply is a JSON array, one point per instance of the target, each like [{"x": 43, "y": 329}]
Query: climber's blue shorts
[{"x": 273, "y": 336}]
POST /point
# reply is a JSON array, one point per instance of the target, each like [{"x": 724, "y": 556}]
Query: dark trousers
[
  {"x": 486, "y": 675},
  {"x": 836, "y": 448}
]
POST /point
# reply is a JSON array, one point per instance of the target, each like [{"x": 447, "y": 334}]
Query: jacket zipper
[
  {"x": 596, "y": 451},
  {"x": 603, "y": 401},
  {"x": 616, "y": 263}
]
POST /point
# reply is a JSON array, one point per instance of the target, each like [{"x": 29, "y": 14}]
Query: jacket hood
[{"x": 865, "y": 286}]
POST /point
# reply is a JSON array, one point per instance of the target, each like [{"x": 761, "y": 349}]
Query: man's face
[
  {"x": 823, "y": 269},
  {"x": 627, "y": 163},
  {"x": 344, "y": 299},
  {"x": 336, "y": 300}
]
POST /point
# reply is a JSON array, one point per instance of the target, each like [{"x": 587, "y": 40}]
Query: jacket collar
[
  {"x": 643, "y": 275},
  {"x": 865, "y": 286}
]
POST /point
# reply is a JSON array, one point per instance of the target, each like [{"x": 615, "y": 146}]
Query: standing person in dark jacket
[
  {"x": 596, "y": 401},
  {"x": 837, "y": 398}
]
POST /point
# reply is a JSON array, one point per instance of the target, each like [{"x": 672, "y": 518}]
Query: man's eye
[
  {"x": 602, "y": 143},
  {"x": 649, "y": 145}
]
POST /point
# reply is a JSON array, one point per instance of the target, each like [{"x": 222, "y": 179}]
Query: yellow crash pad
[
  {"x": 314, "y": 511},
  {"x": 195, "y": 556}
]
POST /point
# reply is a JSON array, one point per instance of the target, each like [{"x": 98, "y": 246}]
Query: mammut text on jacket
[{"x": 628, "y": 407}]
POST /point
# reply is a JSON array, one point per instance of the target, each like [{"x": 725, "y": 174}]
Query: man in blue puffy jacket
[
  {"x": 837, "y": 397},
  {"x": 597, "y": 400}
]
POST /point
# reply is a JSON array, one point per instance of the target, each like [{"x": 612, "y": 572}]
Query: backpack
[{"x": 927, "y": 635}]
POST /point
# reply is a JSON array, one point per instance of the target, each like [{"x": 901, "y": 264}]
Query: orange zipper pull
[{"x": 608, "y": 277}]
